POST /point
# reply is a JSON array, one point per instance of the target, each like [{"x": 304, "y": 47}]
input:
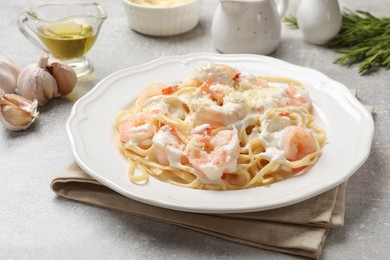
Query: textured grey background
[{"x": 34, "y": 223}]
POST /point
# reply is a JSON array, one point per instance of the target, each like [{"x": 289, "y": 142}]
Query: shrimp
[
  {"x": 150, "y": 91},
  {"x": 298, "y": 96},
  {"x": 213, "y": 154},
  {"x": 138, "y": 129},
  {"x": 155, "y": 90},
  {"x": 219, "y": 115},
  {"x": 246, "y": 79},
  {"x": 217, "y": 92},
  {"x": 297, "y": 142},
  {"x": 213, "y": 73},
  {"x": 169, "y": 148}
]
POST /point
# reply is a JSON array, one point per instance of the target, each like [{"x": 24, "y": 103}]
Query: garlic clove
[
  {"x": 64, "y": 74},
  {"x": 8, "y": 74},
  {"x": 36, "y": 82},
  {"x": 16, "y": 112}
]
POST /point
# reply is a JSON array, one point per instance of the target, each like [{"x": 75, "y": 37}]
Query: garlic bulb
[
  {"x": 8, "y": 75},
  {"x": 36, "y": 82},
  {"x": 16, "y": 112},
  {"x": 65, "y": 76}
]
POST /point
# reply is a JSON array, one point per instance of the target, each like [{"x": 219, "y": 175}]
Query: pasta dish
[{"x": 220, "y": 129}]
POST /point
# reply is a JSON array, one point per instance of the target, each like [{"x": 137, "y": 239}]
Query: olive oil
[{"x": 68, "y": 40}]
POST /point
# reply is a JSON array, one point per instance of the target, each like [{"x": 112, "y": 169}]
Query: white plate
[{"x": 90, "y": 130}]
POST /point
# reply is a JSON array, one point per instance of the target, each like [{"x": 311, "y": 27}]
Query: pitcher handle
[
  {"x": 26, "y": 30},
  {"x": 282, "y": 7}
]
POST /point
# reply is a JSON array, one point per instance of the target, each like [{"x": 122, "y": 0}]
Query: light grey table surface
[{"x": 36, "y": 224}]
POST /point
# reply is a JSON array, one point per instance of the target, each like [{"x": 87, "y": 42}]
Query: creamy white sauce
[
  {"x": 167, "y": 146},
  {"x": 214, "y": 73},
  {"x": 275, "y": 155},
  {"x": 272, "y": 128}
]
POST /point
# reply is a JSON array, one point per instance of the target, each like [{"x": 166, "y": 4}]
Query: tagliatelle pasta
[{"x": 220, "y": 129}]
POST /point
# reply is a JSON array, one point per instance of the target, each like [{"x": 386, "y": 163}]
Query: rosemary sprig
[
  {"x": 291, "y": 21},
  {"x": 363, "y": 38}
]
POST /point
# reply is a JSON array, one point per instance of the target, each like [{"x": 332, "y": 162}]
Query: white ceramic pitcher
[
  {"x": 319, "y": 20},
  {"x": 248, "y": 26}
]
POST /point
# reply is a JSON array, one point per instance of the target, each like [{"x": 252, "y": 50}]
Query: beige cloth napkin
[{"x": 298, "y": 229}]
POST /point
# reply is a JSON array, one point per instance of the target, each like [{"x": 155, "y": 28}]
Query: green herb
[
  {"x": 291, "y": 21},
  {"x": 363, "y": 38}
]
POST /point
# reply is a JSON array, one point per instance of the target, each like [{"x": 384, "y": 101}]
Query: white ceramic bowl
[{"x": 163, "y": 21}]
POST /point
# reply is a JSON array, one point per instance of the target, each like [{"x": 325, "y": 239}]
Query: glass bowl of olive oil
[{"x": 67, "y": 31}]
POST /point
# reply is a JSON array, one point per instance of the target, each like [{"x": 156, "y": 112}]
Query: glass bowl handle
[{"x": 29, "y": 33}]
